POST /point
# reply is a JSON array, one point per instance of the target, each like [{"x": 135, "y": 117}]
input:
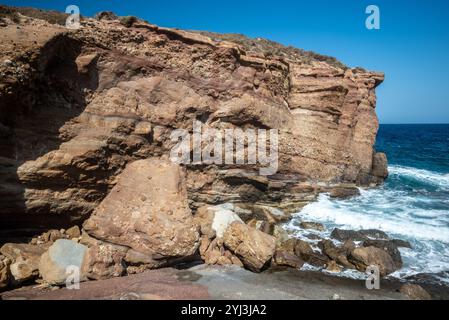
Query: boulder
[
  {"x": 338, "y": 254},
  {"x": 380, "y": 165},
  {"x": 364, "y": 257},
  {"x": 55, "y": 263},
  {"x": 374, "y": 234},
  {"x": 148, "y": 212},
  {"x": 311, "y": 225},
  {"x": 304, "y": 250},
  {"x": 73, "y": 232},
  {"x": 344, "y": 193},
  {"x": 264, "y": 226},
  {"x": 253, "y": 247},
  {"x": 104, "y": 261},
  {"x": 214, "y": 220},
  {"x": 5, "y": 274},
  {"x": 280, "y": 234},
  {"x": 287, "y": 259},
  {"x": 344, "y": 235},
  {"x": 24, "y": 260},
  {"x": 401, "y": 243},
  {"x": 415, "y": 292},
  {"x": 214, "y": 252},
  {"x": 389, "y": 246},
  {"x": 248, "y": 211},
  {"x": 333, "y": 267}
]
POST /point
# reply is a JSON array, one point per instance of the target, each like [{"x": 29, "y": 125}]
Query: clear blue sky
[{"x": 412, "y": 46}]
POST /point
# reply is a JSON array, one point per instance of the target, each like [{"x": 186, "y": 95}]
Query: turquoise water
[{"x": 412, "y": 205}]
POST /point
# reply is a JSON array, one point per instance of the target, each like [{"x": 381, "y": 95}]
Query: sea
[{"x": 412, "y": 205}]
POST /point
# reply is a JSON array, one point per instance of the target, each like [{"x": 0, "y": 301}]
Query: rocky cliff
[
  {"x": 76, "y": 106},
  {"x": 86, "y": 118}
]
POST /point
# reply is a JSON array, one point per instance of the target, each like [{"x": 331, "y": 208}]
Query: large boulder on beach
[
  {"x": 61, "y": 259},
  {"x": 255, "y": 248},
  {"x": 365, "y": 257},
  {"x": 148, "y": 212}
]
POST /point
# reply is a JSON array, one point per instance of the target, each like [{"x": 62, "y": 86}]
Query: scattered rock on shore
[
  {"x": 415, "y": 292},
  {"x": 344, "y": 193},
  {"x": 312, "y": 257},
  {"x": 311, "y": 225},
  {"x": 5, "y": 274},
  {"x": 343, "y": 235},
  {"x": 255, "y": 248},
  {"x": 24, "y": 260},
  {"x": 288, "y": 259},
  {"x": 389, "y": 247},
  {"x": 364, "y": 257}
]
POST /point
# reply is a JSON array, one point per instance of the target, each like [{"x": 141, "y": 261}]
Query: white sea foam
[
  {"x": 437, "y": 179},
  {"x": 354, "y": 215},
  {"x": 413, "y": 216}
]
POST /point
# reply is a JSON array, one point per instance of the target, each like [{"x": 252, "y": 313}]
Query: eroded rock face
[
  {"x": 148, "y": 212},
  {"x": 77, "y": 106}
]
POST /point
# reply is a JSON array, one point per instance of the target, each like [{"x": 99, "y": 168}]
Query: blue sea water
[{"x": 412, "y": 205}]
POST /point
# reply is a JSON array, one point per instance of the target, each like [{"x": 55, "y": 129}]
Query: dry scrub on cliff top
[
  {"x": 51, "y": 16},
  {"x": 262, "y": 46},
  {"x": 270, "y": 48}
]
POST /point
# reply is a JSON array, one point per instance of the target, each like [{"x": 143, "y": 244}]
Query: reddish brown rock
[
  {"x": 286, "y": 258},
  {"x": 23, "y": 260},
  {"x": 255, "y": 248},
  {"x": 5, "y": 273},
  {"x": 114, "y": 95},
  {"x": 161, "y": 284},
  {"x": 415, "y": 292},
  {"x": 104, "y": 261},
  {"x": 73, "y": 232},
  {"x": 147, "y": 211},
  {"x": 365, "y": 257}
]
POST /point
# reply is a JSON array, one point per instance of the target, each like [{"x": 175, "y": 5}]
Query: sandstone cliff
[{"x": 78, "y": 106}]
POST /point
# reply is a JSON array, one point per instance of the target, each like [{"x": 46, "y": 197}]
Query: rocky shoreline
[
  {"x": 87, "y": 186},
  {"x": 226, "y": 241},
  {"x": 227, "y": 283}
]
